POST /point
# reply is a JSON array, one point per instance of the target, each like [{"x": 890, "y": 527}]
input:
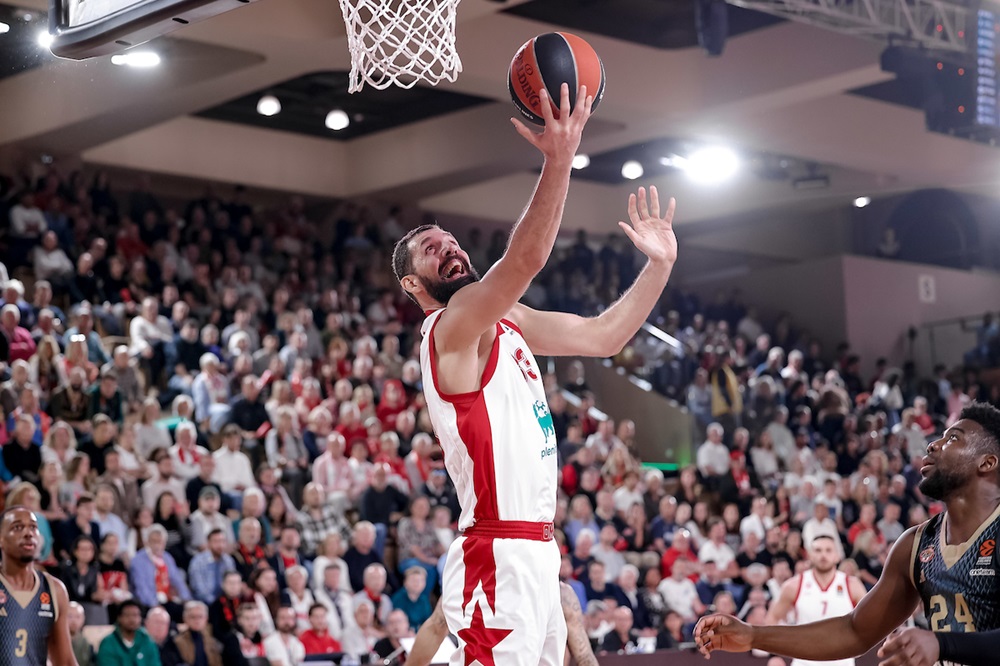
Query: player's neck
[
  {"x": 824, "y": 579},
  {"x": 969, "y": 509},
  {"x": 21, "y": 575}
]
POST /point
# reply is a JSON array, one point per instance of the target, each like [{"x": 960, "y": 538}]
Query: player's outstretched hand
[
  {"x": 561, "y": 136},
  {"x": 909, "y": 647},
  {"x": 722, "y": 632},
  {"x": 650, "y": 231}
]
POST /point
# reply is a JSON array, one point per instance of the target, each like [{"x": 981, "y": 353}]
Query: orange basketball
[{"x": 548, "y": 61}]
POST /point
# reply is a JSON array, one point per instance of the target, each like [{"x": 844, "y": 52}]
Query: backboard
[{"x": 87, "y": 28}]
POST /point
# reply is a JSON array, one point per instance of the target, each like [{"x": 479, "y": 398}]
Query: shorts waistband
[{"x": 511, "y": 529}]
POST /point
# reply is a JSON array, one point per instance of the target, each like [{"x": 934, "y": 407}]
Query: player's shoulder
[{"x": 55, "y": 585}]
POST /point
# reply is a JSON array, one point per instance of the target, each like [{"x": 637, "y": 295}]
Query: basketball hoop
[{"x": 401, "y": 42}]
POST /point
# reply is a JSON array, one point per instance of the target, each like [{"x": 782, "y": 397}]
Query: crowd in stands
[{"x": 215, "y": 412}]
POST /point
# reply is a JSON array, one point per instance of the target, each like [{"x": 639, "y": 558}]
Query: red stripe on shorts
[{"x": 480, "y": 567}]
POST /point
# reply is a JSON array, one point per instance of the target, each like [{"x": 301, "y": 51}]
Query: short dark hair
[
  {"x": 85, "y": 498},
  {"x": 316, "y": 606},
  {"x": 129, "y": 602},
  {"x": 214, "y": 532},
  {"x": 988, "y": 417},
  {"x": 402, "y": 261}
]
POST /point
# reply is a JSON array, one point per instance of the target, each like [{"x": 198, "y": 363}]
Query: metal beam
[{"x": 931, "y": 24}]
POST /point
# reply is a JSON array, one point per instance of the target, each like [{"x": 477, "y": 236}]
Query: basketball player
[
  {"x": 818, "y": 593},
  {"x": 433, "y": 631},
  {"x": 33, "y": 626},
  {"x": 487, "y": 403},
  {"x": 949, "y": 564}
]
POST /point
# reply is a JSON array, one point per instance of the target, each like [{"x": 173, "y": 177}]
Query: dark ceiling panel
[
  {"x": 305, "y": 102},
  {"x": 903, "y": 92},
  {"x": 663, "y": 24},
  {"x": 19, "y": 48}
]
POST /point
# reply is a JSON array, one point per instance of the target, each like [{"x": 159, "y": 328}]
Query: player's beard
[
  {"x": 442, "y": 290},
  {"x": 941, "y": 484}
]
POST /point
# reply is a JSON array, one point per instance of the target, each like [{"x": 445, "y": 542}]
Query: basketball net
[{"x": 401, "y": 42}]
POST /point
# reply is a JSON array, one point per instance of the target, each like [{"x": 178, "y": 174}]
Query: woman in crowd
[
  {"x": 150, "y": 434},
  {"x": 142, "y": 520},
  {"x": 286, "y": 451},
  {"x": 266, "y": 597},
  {"x": 638, "y": 541},
  {"x": 59, "y": 445},
  {"x": 173, "y": 516},
  {"x": 418, "y": 542},
  {"x": 84, "y": 583},
  {"x": 47, "y": 368},
  {"x": 113, "y": 574},
  {"x": 76, "y": 480}
]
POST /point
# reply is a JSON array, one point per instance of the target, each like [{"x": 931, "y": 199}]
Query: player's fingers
[
  {"x": 654, "y": 201},
  {"x": 581, "y": 100},
  {"x": 643, "y": 204},
  {"x": 543, "y": 100},
  {"x": 564, "y": 107},
  {"x": 629, "y": 231},
  {"x": 668, "y": 217},
  {"x": 523, "y": 130}
]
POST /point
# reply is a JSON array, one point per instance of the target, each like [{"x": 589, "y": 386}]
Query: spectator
[
  {"x": 333, "y": 472},
  {"x": 233, "y": 471},
  {"x": 317, "y": 639},
  {"x": 155, "y": 575},
  {"x": 373, "y": 591},
  {"x": 263, "y": 585},
  {"x": 222, "y": 610},
  {"x": 713, "y": 456},
  {"x": 397, "y": 627},
  {"x": 208, "y": 568},
  {"x": 21, "y": 346},
  {"x": 716, "y": 549},
  {"x": 680, "y": 593},
  {"x": 623, "y": 637},
  {"x": 318, "y": 519},
  {"x": 186, "y": 453},
  {"x": 297, "y": 595},
  {"x": 282, "y": 647},
  {"x": 285, "y": 451},
  {"x": 109, "y": 522},
  {"x": 210, "y": 391},
  {"x": 128, "y": 643},
  {"x": 21, "y": 456},
  {"x": 249, "y": 554},
  {"x": 414, "y": 597},
  {"x": 244, "y": 642},
  {"x": 163, "y": 481},
  {"x": 196, "y": 644},
  {"x": 150, "y": 333},
  {"x": 339, "y": 603},
  {"x": 82, "y": 649}
]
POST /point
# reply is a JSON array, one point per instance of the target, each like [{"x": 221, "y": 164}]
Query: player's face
[
  {"x": 823, "y": 555},
  {"x": 441, "y": 266},
  {"x": 951, "y": 461},
  {"x": 20, "y": 536}
]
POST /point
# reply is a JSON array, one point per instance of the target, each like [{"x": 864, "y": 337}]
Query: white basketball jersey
[
  {"x": 814, "y": 602},
  {"x": 499, "y": 442}
]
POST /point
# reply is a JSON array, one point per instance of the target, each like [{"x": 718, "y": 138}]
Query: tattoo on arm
[{"x": 576, "y": 635}]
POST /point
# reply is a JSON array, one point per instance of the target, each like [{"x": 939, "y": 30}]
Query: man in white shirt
[
  {"x": 186, "y": 454},
  {"x": 50, "y": 261},
  {"x": 604, "y": 551},
  {"x": 233, "y": 471},
  {"x": 758, "y": 521},
  {"x": 781, "y": 436},
  {"x": 27, "y": 224},
  {"x": 713, "y": 455},
  {"x": 282, "y": 646},
  {"x": 106, "y": 519},
  {"x": 680, "y": 592},
  {"x": 149, "y": 334},
  {"x": 717, "y": 550},
  {"x": 628, "y": 494},
  {"x": 332, "y": 470},
  {"x": 604, "y": 440},
  {"x": 165, "y": 481},
  {"x": 821, "y": 524},
  {"x": 913, "y": 439},
  {"x": 340, "y": 605}
]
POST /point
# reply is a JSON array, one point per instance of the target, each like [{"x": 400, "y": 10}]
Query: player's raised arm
[
  {"x": 60, "y": 645},
  {"x": 887, "y": 606},
  {"x": 480, "y": 305},
  {"x": 650, "y": 228}
]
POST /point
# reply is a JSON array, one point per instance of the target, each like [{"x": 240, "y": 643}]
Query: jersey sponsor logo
[
  {"x": 548, "y": 451},
  {"x": 927, "y": 554},
  {"x": 982, "y": 572},
  {"x": 987, "y": 547},
  {"x": 544, "y": 419},
  {"x": 524, "y": 363}
]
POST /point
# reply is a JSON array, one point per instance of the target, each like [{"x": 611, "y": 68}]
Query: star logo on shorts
[{"x": 480, "y": 641}]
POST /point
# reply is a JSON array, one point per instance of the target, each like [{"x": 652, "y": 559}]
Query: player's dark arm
[
  {"x": 972, "y": 649},
  {"x": 60, "y": 645},
  {"x": 478, "y": 306},
  {"x": 562, "y": 334},
  {"x": 883, "y": 609},
  {"x": 432, "y": 633},
  {"x": 576, "y": 634}
]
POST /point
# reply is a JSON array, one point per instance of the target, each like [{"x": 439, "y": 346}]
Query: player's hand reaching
[
  {"x": 722, "y": 632},
  {"x": 561, "y": 136},
  {"x": 652, "y": 233},
  {"x": 909, "y": 647}
]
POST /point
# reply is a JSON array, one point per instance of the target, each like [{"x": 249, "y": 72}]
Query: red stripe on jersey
[
  {"x": 491, "y": 366},
  {"x": 850, "y": 593},
  {"x": 476, "y": 431},
  {"x": 799, "y": 590},
  {"x": 512, "y": 325},
  {"x": 480, "y": 567}
]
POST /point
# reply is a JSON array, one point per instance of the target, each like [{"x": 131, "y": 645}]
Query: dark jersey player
[
  {"x": 948, "y": 565},
  {"x": 33, "y": 623}
]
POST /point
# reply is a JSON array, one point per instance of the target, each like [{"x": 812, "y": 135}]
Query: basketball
[{"x": 547, "y": 61}]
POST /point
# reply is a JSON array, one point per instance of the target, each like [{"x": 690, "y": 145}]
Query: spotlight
[
  {"x": 3, "y": 27},
  {"x": 269, "y": 105},
  {"x": 581, "y": 161},
  {"x": 713, "y": 164},
  {"x": 143, "y": 59},
  {"x": 861, "y": 202},
  {"x": 45, "y": 39},
  {"x": 632, "y": 169},
  {"x": 337, "y": 120}
]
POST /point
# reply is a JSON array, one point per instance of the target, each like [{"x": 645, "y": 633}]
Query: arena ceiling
[{"x": 780, "y": 94}]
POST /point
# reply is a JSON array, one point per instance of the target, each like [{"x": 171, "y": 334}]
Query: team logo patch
[
  {"x": 840, "y": 589},
  {"x": 927, "y": 554},
  {"x": 524, "y": 363},
  {"x": 987, "y": 547},
  {"x": 44, "y": 598}
]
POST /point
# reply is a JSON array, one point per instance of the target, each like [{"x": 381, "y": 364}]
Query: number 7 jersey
[{"x": 958, "y": 584}]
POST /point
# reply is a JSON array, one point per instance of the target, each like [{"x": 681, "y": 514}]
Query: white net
[{"x": 401, "y": 42}]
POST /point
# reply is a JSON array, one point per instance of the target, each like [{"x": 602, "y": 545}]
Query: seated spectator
[
  {"x": 130, "y": 382},
  {"x": 285, "y": 451},
  {"x": 373, "y": 591},
  {"x": 628, "y": 581},
  {"x": 208, "y": 567},
  {"x": 317, "y": 639},
  {"x": 680, "y": 549},
  {"x": 890, "y": 527},
  {"x": 414, "y": 597},
  {"x": 101, "y": 441},
  {"x": 186, "y": 453},
  {"x": 47, "y": 367},
  {"x": 150, "y": 435},
  {"x": 114, "y": 574},
  {"x": 282, "y": 646},
  {"x": 244, "y": 642},
  {"x": 338, "y": 602},
  {"x": 82, "y": 649},
  {"x": 297, "y": 595},
  {"x": 21, "y": 457},
  {"x": 440, "y": 492},
  {"x": 158, "y": 627},
  {"x": 120, "y": 479},
  {"x": 289, "y": 553},
  {"x": 30, "y": 408},
  {"x": 263, "y": 586},
  {"x": 713, "y": 456},
  {"x": 206, "y": 478},
  {"x": 196, "y": 644},
  {"x": 91, "y": 339},
  {"x": 222, "y": 610},
  {"x": 155, "y": 576},
  {"x": 680, "y": 593},
  {"x": 396, "y": 627},
  {"x": 233, "y": 471},
  {"x": 318, "y": 519},
  {"x": 163, "y": 480},
  {"x": 105, "y": 398},
  {"x": 150, "y": 333},
  {"x": 671, "y": 634},
  {"x": 249, "y": 554},
  {"x": 382, "y": 504},
  {"x": 79, "y": 524},
  {"x": 21, "y": 346},
  {"x": 418, "y": 543},
  {"x": 128, "y": 643},
  {"x": 605, "y": 551},
  {"x": 623, "y": 637},
  {"x": 582, "y": 554},
  {"x": 210, "y": 391},
  {"x": 108, "y": 522},
  {"x": 597, "y": 584},
  {"x": 332, "y": 471}
]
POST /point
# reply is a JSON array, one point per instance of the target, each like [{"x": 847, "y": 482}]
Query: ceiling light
[
  {"x": 861, "y": 202},
  {"x": 632, "y": 170},
  {"x": 45, "y": 39},
  {"x": 136, "y": 59},
  {"x": 337, "y": 120},
  {"x": 26, "y": 17},
  {"x": 269, "y": 105},
  {"x": 3, "y": 27},
  {"x": 581, "y": 161},
  {"x": 713, "y": 164}
]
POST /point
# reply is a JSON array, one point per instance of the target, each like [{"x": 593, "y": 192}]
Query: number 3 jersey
[
  {"x": 958, "y": 584},
  {"x": 26, "y": 620}
]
